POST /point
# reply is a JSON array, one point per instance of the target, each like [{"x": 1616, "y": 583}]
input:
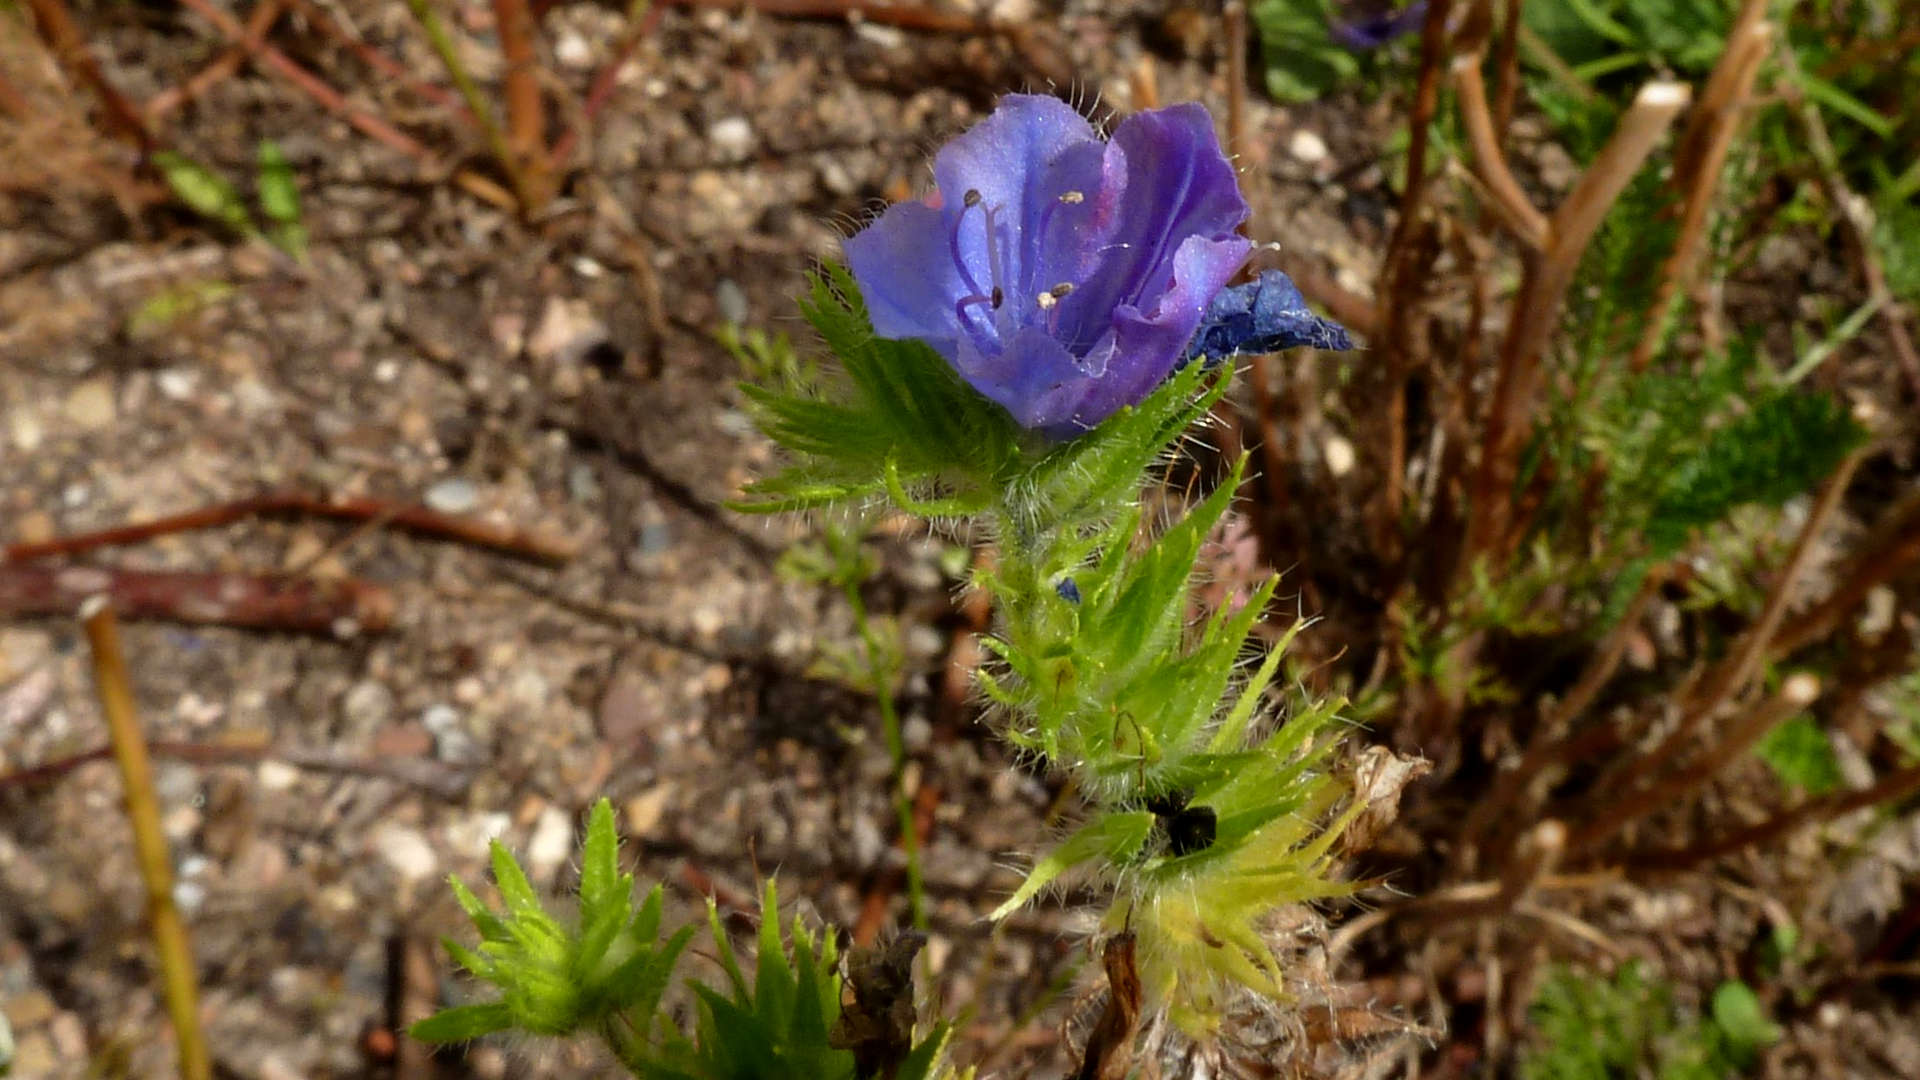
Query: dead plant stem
[
  {"x": 1699, "y": 161},
  {"x": 69, "y": 47},
  {"x": 179, "y": 986}
]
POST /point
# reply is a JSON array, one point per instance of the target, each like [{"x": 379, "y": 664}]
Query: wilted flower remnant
[
  {"x": 1372, "y": 28},
  {"x": 1061, "y": 275}
]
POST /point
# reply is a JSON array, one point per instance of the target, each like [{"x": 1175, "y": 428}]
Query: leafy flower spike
[{"x": 1062, "y": 276}]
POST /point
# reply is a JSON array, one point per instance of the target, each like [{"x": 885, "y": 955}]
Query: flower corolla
[{"x": 1062, "y": 275}]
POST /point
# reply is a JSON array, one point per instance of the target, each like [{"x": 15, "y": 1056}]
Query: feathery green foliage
[
  {"x": 1799, "y": 754},
  {"x": 607, "y": 972},
  {"x": 1587, "y": 1028}
]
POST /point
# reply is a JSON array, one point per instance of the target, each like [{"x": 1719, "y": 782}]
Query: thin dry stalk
[
  {"x": 1731, "y": 676},
  {"x": 1699, "y": 161},
  {"x": 1536, "y": 309},
  {"x": 526, "y": 113},
  {"x": 1549, "y": 740},
  {"x": 179, "y": 986},
  {"x": 1516, "y": 211},
  {"x": 273, "y": 60},
  {"x": 1798, "y": 692},
  {"x": 1857, "y": 223},
  {"x": 1893, "y": 555},
  {"x": 69, "y": 46},
  {"x": 1397, "y": 285},
  {"x": 538, "y": 545},
  {"x": 259, "y": 21},
  {"x": 1889, "y": 789}
]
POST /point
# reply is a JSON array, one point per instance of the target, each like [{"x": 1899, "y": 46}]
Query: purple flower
[
  {"x": 1061, "y": 276},
  {"x": 1370, "y": 31}
]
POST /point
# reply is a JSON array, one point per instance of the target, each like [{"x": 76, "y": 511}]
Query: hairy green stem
[{"x": 882, "y": 675}]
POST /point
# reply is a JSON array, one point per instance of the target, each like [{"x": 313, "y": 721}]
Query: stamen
[
  {"x": 1061, "y": 290},
  {"x": 1046, "y": 300},
  {"x": 971, "y": 200},
  {"x": 997, "y": 298},
  {"x": 993, "y": 260},
  {"x": 1066, "y": 198}
]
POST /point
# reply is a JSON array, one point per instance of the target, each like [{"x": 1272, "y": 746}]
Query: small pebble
[
  {"x": 90, "y": 406},
  {"x": 406, "y": 850},
  {"x": 1307, "y": 147},
  {"x": 732, "y": 301},
  {"x": 454, "y": 495},
  {"x": 732, "y": 137},
  {"x": 551, "y": 843}
]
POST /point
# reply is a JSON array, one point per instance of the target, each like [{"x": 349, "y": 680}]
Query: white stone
[
  {"x": 454, "y": 495},
  {"x": 406, "y": 850},
  {"x": 551, "y": 843},
  {"x": 1339, "y": 454},
  {"x": 731, "y": 137},
  {"x": 90, "y": 406},
  {"x": 276, "y": 776},
  {"x": 1307, "y": 147}
]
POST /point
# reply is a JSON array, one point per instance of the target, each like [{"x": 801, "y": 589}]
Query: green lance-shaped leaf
[
  {"x": 204, "y": 191},
  {"x": 1114, "y": 837}
]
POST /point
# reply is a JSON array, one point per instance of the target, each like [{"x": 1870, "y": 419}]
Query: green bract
[{"x": 1201, "y": 812}]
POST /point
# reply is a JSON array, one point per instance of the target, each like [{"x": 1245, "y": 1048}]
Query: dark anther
[
  {"x": 972, "y": 197},
  {"x": 1189, "y": 828},
  {"x": 997, "y": 297}
]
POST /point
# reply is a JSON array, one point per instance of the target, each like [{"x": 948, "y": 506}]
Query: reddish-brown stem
[
  {"x": 335, "y": 102},
  {"x": 69, "y": 46},
  {"x": 251, "y": 601},
  {"x": 1890, "y": 788},
  {"x": 1896, "y": 552},
  {"x": 1506, "y": 61},
  {"x": 259, "y": 21},
  {"x": 381, "y": 62},
  {"x": 600, "y": 90},
  {"x": 1699, "y": 161},
  {"x": 1549, "y": 739},
  {"x": 1391, "y": 312},
  {"x": 1516, "y": 211},
  {"x": 1798, "y": 692},
  {"x": 1536, "y": 309},
  {"x": 526, "y": 113},
  {"x": 424, "y": 773},
  {"x": 541, "y": 546}
]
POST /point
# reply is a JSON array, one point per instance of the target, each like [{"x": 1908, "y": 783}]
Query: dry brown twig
[
  {"x": 540, "y": 546},
  {"x": 1109, "y": 1053},
  {"x": 1731, "y": 676},
  {"x": 179, "y": 984},
  {"x": 1799, "y": 691},
  {"x": 259, "y": 21},
  {"x": 338, "y": 608},
  {"x": 1700, "y": 159},
  {"x": 368, "y": 124},
  {"x": 69, "y": 46},
  {"x": 1536, "y": 309}
]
